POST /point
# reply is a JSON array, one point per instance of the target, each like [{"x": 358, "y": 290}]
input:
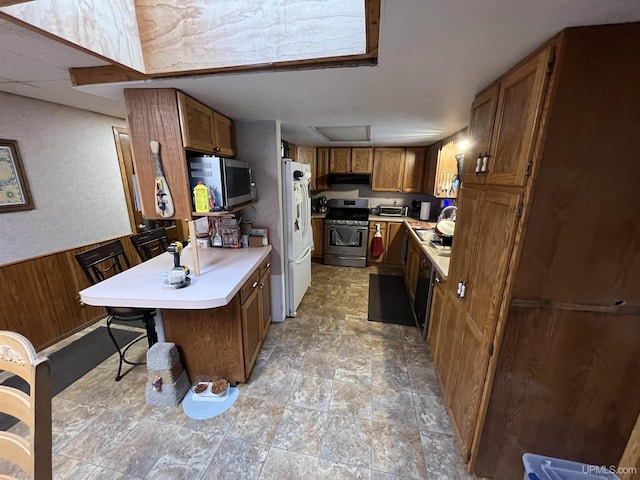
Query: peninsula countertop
[{"x": 222, "y": 272}]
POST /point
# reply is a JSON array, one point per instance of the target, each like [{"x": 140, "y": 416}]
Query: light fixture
[{"x": 464, "y": 144}]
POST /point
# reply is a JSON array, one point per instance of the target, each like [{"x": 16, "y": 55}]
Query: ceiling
[{"x": 434, "y": 56}]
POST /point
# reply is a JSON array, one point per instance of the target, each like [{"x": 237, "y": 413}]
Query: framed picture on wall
[{"x": 14, "y": 189}]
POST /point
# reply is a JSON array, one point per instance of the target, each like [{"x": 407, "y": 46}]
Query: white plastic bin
[{"x": 539, "y": 467}]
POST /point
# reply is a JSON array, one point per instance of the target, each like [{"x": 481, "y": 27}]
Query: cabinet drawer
[
  {"x": 249, "y": 286},
  {"x": 265, "y": 266}
]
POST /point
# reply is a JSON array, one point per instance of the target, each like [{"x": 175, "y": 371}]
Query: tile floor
[{"x": 332, "y": 396}]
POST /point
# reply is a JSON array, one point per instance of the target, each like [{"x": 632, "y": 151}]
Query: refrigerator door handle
[{"x": 304, "y": 257}]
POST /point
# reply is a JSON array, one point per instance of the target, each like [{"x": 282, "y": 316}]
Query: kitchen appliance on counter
[
  {"x": 392, "y": 211},
  {"x": 346, "y": 232},
  {"x": 298, "y": 237},
  {"x": 445, "y": 227}
]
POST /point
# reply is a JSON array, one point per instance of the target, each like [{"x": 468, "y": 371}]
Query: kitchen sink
[{"x": 424, "y": 235}]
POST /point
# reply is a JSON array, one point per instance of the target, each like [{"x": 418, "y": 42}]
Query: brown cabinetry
[
  {"x": 361, "y": 160},
  {"x": 396, "y": 234},
  {"x": 224, "y": 136},
  {"x": 531, "y": 329},
  {"x": 435, "y": 316},
  {"x": 340, "y": 160},
  {"x": 307, "y": 155},
  {"x": 517, "y": 113},
  {"x": 317, "y": 225},
  {"x": 178, "y": 123},
  {"x": 371, "y": 260},
  {"x": 251, "y": 312},
  {"x": 322, "y": 168},
  {"x": 414, "y": 163},
  {"x": 265, "y": 295},
  {"x": 411, "y": 268},
  {"x": 226, "y": 340},
  {"x": 388, "y": 169}
]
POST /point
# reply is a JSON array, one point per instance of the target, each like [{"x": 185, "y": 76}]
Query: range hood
[{"x": 349, "y": 178}]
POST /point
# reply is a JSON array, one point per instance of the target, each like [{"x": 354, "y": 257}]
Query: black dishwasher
[{"x": 424, "y": 289}]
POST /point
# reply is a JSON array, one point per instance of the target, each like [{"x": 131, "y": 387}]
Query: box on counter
[{"x": 255, "y": 241}]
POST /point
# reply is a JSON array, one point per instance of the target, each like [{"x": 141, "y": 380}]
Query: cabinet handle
[
  {"x": 255, "y": 284},
  {"x": 216, "y": 149},
  {"x": 268, "y": 265},
  {"x": 437, "y": 280},
  {"x": 479, "y": 164},
  {"x": 485, "y": 159},
  {"x": 463, "y": 288},
  {"x": 261, "y": 285}
]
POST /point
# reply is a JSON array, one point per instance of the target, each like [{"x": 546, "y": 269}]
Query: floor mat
[
  {"x": 389, "y": 301},
  {"x": 73, "y": 361}
]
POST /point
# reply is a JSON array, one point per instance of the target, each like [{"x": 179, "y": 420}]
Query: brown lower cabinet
[
  {"x": 537, "y": 344},
  {"x": 226, "y": 340},
  {"x": 317, "y": 226}
]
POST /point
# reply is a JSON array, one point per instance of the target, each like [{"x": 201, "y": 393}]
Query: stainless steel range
[{"x": 346, "y": 233}]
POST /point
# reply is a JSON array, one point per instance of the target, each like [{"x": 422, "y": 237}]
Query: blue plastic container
[{"x": 539, "y": 467}]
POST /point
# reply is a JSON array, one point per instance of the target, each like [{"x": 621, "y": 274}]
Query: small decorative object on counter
[
  {"x": 230, "y": 232},
  {"x": 157, "y": 383}
]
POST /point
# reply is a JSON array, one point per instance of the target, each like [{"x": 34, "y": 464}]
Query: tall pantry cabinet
[{"x": 539, "y": 339}]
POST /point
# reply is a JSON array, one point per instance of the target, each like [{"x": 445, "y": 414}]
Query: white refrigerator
[{"x": 298, "y": 236}]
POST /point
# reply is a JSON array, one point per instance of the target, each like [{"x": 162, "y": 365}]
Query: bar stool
[
  {"x": 103, "y": 262},
  {"x": 150, "y": 244}
]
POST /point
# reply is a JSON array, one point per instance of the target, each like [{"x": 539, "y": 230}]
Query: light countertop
[{"x": 222, "y": 272}]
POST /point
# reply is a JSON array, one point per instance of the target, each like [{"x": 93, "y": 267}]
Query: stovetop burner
[{"x": 343, "y": 211}]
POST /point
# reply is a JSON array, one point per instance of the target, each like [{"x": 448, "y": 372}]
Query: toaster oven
[{"x": 393, "y": 211}]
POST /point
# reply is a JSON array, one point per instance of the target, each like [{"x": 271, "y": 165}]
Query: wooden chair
[
  {"x": 103, "y": 262},
  {"x": 32, "y": 454},
  {"x": 151, "y": 243}
]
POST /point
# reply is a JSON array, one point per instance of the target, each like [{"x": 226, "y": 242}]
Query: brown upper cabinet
[
  {"x": 204, "y": 129},
  {"x": 322, "y": 168},
  {"x": 414, "y": 163},
  {"x": 511, "y": 119},
  {"x": 178, "y": 123},
  {"x": 340, "y": 160},
  {"x": 388, "y": 169},
  {"x": 308, "y": 155},
  {"x": 361, "y": 160}
]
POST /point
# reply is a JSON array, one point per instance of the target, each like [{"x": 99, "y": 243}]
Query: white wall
[
  {"x": 258, "y": 142},
  {"x": 70, "y": 161}
]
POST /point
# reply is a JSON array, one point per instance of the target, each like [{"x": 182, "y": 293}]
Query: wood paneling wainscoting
[{"x": 39, "y": 296}]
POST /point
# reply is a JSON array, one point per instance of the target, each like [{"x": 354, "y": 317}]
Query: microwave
[{"x": 228, "y": 179}]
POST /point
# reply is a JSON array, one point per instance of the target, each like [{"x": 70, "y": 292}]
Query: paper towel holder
[{"x": 425, "y": 210}]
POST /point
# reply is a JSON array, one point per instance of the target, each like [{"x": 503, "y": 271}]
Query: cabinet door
[
  {"x": 414, "y": 161},
  {"x": 397, "y": 233},
  {"x": 483, "y": 111},
  {"x": 437, "y": 304},
  {"x": 361, "y": 160},
  {"x": 317, "y": 225},
  {"x": 322, "y": 168},
  {"x": 383, "y": 233},
  {"x": 197, "y": 124},
  {"x": 519, "y": 109},
  {"x": 413, "y": 261},
  {"x": 251, "y": 311},
  {"x": 496, "y": 226},
  {"x": 224, "y": 135},
  {"x": 448, "y": 346},
  {"x": 340, "y": 161},
  {"x": 432, "y": 153},
  {"x": 265, "y": 301},
  {"x": 388, "y": 169},
  {"x": 308, "y": 155}
]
